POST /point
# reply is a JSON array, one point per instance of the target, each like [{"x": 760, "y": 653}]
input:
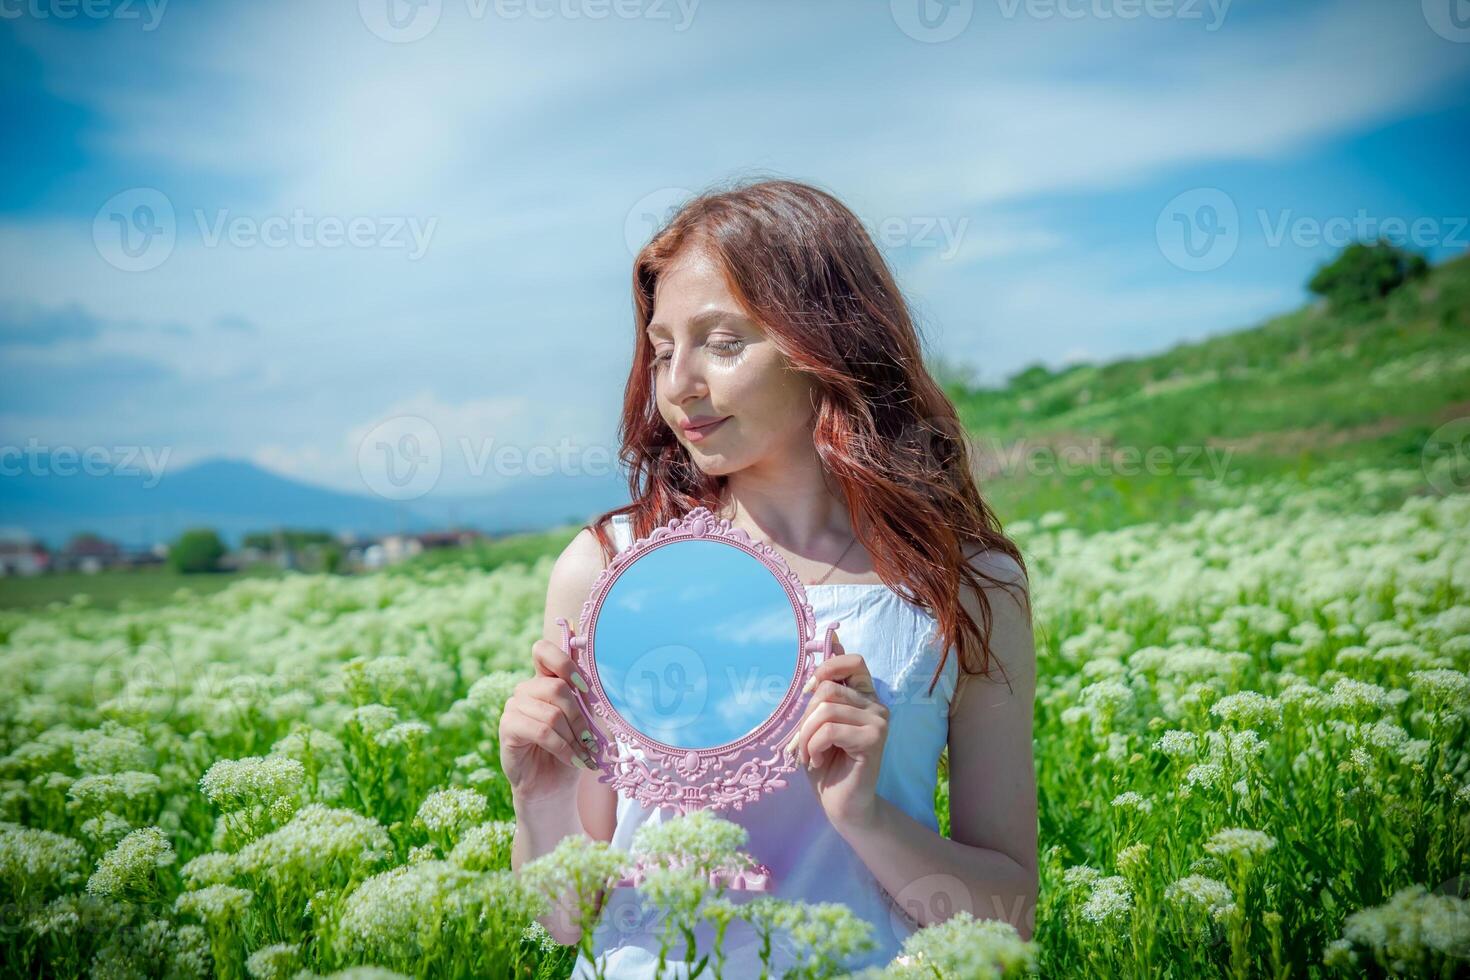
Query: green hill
[{"x": 1314, "y": 392}]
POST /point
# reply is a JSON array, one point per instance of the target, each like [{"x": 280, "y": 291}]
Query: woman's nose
[{"x": 686, "y": 376}]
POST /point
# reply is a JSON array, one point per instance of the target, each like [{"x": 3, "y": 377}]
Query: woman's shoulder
[
  {"x": 1007, "y": 591},
  {"x": 995, "y": 563}
]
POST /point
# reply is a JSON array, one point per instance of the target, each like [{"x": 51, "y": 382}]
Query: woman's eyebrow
[{"x": 707, "y": 319}]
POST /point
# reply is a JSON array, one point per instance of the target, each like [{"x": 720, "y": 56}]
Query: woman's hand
[
  {"x": 840, "y": 738},
  {"x": 544, "y": 737}
]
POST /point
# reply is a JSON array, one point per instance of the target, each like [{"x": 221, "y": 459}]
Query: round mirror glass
[{"x": 696, "y": 643}]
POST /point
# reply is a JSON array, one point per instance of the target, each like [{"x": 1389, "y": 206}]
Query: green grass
[
  {"x": 109, "y": 590},
  {"x": 513, "y": 549}
]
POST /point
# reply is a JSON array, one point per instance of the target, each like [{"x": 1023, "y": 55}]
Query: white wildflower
[
  {"x": 1176, "y": 744},
  {"x": 1200, "y": 893},
  {"x": 1247, "y": 709},
  {"x": 1133, "y": 801},
  {"x": 485, "y": 847},
  {"x": 1447, "y": 688},
  {"x": 1240, "y": 843},
  {"x": 409, "y": 733},
  {"x": 234, "y": 784},
  {"x": 1205, "y": 774},
  {"x": 1356, "y": 696},
  {"x": 215, "y": 903},
  {"x": 131, "y": 863},
  {"x": 1412, "y": 926},
  {"x": 450, "y": 810},
  {"x": 1110, "y": 901},
  {"x": 274, "y": 962},
  {"x": 110, "y": 791},
  {"x": 39, "y": 860}
]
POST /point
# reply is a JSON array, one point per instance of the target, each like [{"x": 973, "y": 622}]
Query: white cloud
[{"x": 529, "y": 141}]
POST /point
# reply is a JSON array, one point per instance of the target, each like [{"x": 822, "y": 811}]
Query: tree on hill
[
  {"x": 1031, "y": 376},
  {"x": 1365, "y": 272},
  {"x": 197, "y": 550}
]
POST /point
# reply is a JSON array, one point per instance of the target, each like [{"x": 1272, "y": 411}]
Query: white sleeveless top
[{"x": 789, "y": 831}]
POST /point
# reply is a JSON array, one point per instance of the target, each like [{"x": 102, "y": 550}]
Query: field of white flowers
[{"x": 1251, "y": 750}]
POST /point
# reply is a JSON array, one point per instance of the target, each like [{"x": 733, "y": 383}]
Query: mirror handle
[
  {"x": 824, "y": 645},
  {"x": 572, "y": 646}
]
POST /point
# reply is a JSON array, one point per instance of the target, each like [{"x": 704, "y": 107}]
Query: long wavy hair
[{"x": 803, "y": 266}]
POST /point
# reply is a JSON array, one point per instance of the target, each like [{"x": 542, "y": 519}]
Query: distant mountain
[
  {"x": 1370, "y": 384},
  {"x": 235, "y": 497}
]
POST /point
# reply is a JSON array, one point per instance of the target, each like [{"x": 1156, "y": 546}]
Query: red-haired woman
[{"x": 778, "y": 380}]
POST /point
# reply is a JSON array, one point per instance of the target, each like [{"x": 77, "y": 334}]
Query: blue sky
[{"x": 1030, "y": 166}]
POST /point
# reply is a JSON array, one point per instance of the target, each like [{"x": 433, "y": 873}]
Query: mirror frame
[{"x": 721, "y": 776}]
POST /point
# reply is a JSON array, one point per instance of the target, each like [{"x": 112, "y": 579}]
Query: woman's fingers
[
  {"x": 824, "y": 713},
  {"x": 852, "y": 739},
  {"x": 552, "y": 661},
  {"x": 830, "y": 690},
  {"x": 836, "y": 693},
  {"x": 849, "y": 668},
  {"x": 553, "y": 690},
  {"x": 542, "y": 724}
]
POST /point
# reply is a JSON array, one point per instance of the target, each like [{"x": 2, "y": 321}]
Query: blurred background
[{"x": 340, "y": 286}]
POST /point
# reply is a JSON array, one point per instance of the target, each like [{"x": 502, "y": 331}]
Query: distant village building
[
  {"x": 395, "y": 548},
  {"x": 90, "y": 554},
  {"x": 22, "y": 554}
]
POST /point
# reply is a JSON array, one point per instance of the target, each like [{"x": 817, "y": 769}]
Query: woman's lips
[{"x": 700, "y": 432}]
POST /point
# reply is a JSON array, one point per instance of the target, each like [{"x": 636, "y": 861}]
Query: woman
[{"x": 778, "y": 380}]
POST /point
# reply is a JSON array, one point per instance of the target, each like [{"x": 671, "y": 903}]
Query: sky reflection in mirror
[{"x": 696, "y": 643}]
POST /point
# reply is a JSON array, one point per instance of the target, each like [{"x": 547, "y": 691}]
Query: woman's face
[{"x": 711, "y": 360}]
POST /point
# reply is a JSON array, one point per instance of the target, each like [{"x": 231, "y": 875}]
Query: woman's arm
[
  {"x": 988, "y": 865},
  {"x": 592, "y": 810}
]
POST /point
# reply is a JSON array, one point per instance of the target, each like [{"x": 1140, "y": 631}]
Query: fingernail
[
  {"x": 586, "y": 736},
  {"x": 791, "y": 745},
  {"x": 580, "y": 761},
  {"x": 811, "y": 682},
  {"x": 592, "y": 765},
  {"x": 577, "y": 680}
]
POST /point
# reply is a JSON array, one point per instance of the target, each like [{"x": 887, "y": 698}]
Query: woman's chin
[{"x": 714, "y": 464}]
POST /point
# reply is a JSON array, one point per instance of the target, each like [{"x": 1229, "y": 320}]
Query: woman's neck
[{"x": 811, "y": 532}]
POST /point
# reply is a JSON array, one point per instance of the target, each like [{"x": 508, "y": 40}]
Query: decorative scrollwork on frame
[{"x": 725, "y": 776}]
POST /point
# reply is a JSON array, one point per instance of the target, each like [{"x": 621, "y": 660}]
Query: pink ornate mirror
[{"x": 696, "y": 642}]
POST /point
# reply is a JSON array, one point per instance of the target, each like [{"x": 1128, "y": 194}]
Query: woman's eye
[{"x": 726, "y": 348}]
